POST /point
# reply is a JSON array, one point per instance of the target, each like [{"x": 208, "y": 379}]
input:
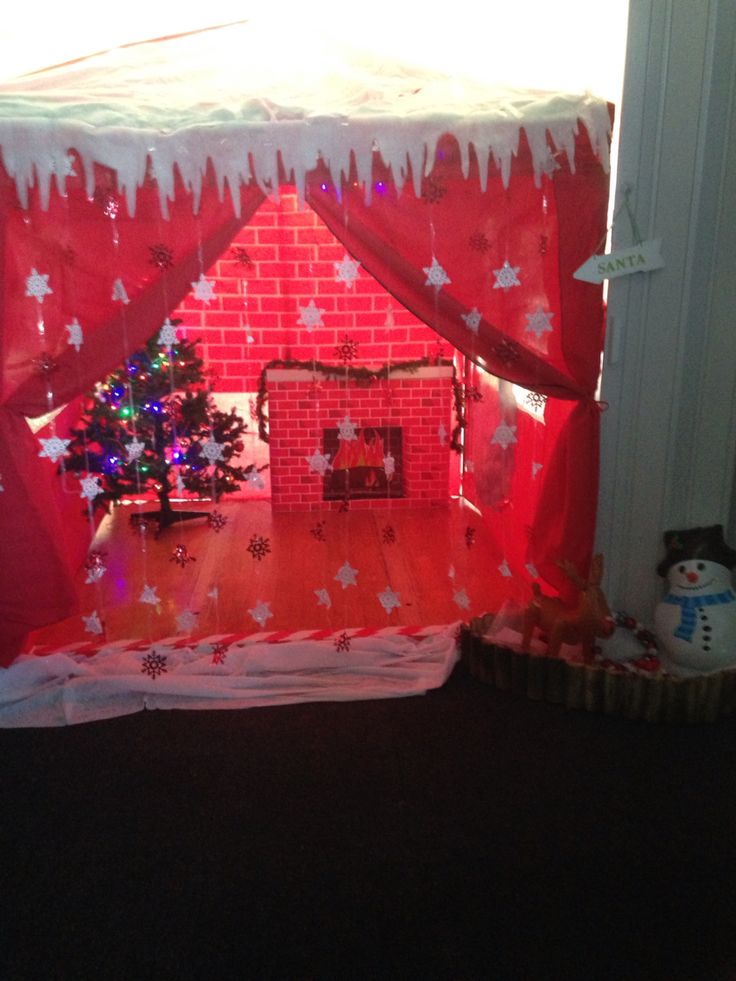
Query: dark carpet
[{"x": 464, "y": 834}]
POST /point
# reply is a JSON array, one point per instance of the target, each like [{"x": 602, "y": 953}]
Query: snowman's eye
[
  {"x": 681, "y": 568},
  {"x": 701, "y": 566}
]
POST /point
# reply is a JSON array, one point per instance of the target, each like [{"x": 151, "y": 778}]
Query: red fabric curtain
[
  {"x": 491, "y": 271},
  {"x": 83, "y": 260}
]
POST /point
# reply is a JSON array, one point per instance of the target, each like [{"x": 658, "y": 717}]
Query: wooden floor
[{"x": 415, "y": 565}]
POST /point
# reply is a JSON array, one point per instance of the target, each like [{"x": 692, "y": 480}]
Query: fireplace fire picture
[{"x": 369, "y": 466}]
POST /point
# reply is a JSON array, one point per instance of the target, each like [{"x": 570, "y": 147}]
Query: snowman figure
[{"x": 696, "y": 621}]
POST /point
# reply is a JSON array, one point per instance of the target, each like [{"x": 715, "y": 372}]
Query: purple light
[
  {"x": 380, "y": 187},
  {"x": 325, "y": 187}
]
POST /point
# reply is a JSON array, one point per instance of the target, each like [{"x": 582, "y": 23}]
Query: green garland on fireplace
[{"x": 365, "y": 377}]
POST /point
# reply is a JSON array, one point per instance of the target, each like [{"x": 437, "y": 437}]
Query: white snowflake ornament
[
  {"x": 37, "y": 285},
  {"x": 149, "y": 596},
  {"x": 319, "y": 462},
  {"x": 134, "y": 449},
  {"x": 204, "y": 289},
  {"x": 472, "y": 319},
  {"x": 346, "y": 429},
  {"x": 504, "y": 435},
  {"x": 90, "y": 488},
  {"x": 186, "y": 621},
  {"x": 76, "y": 337},
  {"x": 261, "y": 613},
  {"x": 323, "y": 598},
  {"x": 211, "y": 450},
  {"x": 53, "y": 447},
  {"x": 346, "y": 271},
  {"x": 92, "y": 623},
  {"x": 119, "y": 292},
  {"x": 462, "y": 599},
  {"x": 167, "y": 335},
  {"x": 346, "y": 575},
  {"x": 539, "y": 322},
  {"x": 389, "y": 466},
  {"x": 311, "y": 316},
  {"x": 506, "y": 277},
  {"x": 436, "y": 275},
  {"x": 389, "y": 600},
  {"x": 255, "y": 479},
  {"x": 505, "y": 569}
]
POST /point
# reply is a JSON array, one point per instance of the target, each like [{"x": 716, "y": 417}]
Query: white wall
[{"x": 669, "y": 436}]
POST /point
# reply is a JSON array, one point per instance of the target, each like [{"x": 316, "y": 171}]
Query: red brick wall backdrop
[{"x": 281, "y": 261}]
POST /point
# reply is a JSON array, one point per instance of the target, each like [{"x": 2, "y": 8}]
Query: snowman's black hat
[{"x": 696, "y": 543}]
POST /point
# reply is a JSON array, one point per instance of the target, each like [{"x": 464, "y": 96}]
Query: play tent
[{"x": 183, "y": 139}]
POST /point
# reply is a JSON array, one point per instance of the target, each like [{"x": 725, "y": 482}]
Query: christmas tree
[{"x": 152, "y": 425}]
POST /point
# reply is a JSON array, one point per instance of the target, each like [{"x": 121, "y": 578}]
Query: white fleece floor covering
[{"x": 68, "y": 687}]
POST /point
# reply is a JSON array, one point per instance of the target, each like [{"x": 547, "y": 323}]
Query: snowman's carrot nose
[{"x": 692, "y": 577}]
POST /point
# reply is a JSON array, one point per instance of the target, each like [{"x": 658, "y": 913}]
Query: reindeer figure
[{"x": 563, "y": 624}]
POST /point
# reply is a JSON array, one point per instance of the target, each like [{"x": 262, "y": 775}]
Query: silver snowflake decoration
[
  {"x": 323, "y": 598},
  {"x": 134, "y": 449},
  {"x": 90, "y": 488},
  {"x": 436, "y": 275},
  {"x": 76, "y": 337},
  {"x": 504, "y": 569},
  {"x": 149, "y": 596},
  {"x": 255, "y": 479},
  {"x": 53, "y": 447},
  {"x": 310, "y": 316},
  {"x": 462, "y": 599},
  {"x": 92, "y": 624},
  {"x": 204, "y": 289},
  {"x": 538, "y": 323},
  {"x": 389, "y": 466},
  {"x": 167, "y": 335},
  {"x": 346, "y": 575},
  {"x": 504, "y": 435},
  {"x": 119, "y": 292},
  {"x": 153, "y": 664},
  {"x": 319, "y": 462},
  {"x": 346, "y": 429},
  {"x": 536, "y": 467},
  {"x": 389, "y": 600},
  {"x": 37, "y": 284},
  {"x": 211, "y": 450},
  {"x": 506, "y": 277},
  {"x": 186, "y": 621},
  {"x": 261, "y": 613},
  {"x": 346, "y": 271},
  {"x": 472, "y": 319}
]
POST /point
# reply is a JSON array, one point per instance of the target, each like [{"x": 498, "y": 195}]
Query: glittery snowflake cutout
[
  {"x": 536, "y": 400},
  {"x": 254, "y": 478},
  {"x": 346, "y": 271},
  {"x": 241, "y": 256},
  {"x": 389, "y": 600},
  {"x": 92, "y": 623},
  {"x": 323, "y": 598},
  {"x": 432, "y": 190},
  {"x": 76, "y": 337},
  {"x": 462, "y": 599},
  {"x": 504, "y": 435},
  {"x": 505, "y": 570},
  {"x": 346, "y": 350},
  {"x": 94, "y": 567},
  {"x": 167, "y": 335},
  {"x": 261, "y": 612},
  {"x": 346, "y": 575},
  {"x": 134, "y": 449},
  {"x": 211, "y": 450},
  {"x": 472, "y": 319},
  {"x": 507, "y": 351},
  {"x": 119, "y": 292},
  {"x": 342, "y": 642},
  {"x": 389, "y": 466},
  {"x": 319, "y": 531},
  {"x": 186, "y": 621},
  {"x": 90, "y": 488},
  {"x": 149, "y": 596},
  {"x": 216, "y": 521},
  {"x": 311, "y": 316},
  {"x": 346, "y": 429},
  {"x": 319, "y": 462},
  {"x": 219, "y": 652},
  {"x": 161, "y": 256},
  {"x": 473, "y": 394},
  {"x": 204, "y": 289},
  {"x": 153, "y": 665},
  {"x": 436, "y": 275},
  {"x": 37, "y": 285},
  {"x": 181, "y": 555},
  {"x": 506, "y": 277},
  {"x": 388, "y": 535},
  {"x": 45, "y": 364},
  {"x": 479, "y": 242},
  {"x": 539, "y": 322},
  {"x": 53, "y": 447},
  {"x": 259, "y": 547}
]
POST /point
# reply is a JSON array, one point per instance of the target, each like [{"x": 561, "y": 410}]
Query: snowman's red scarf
[{"x": 689, "y": 604}]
